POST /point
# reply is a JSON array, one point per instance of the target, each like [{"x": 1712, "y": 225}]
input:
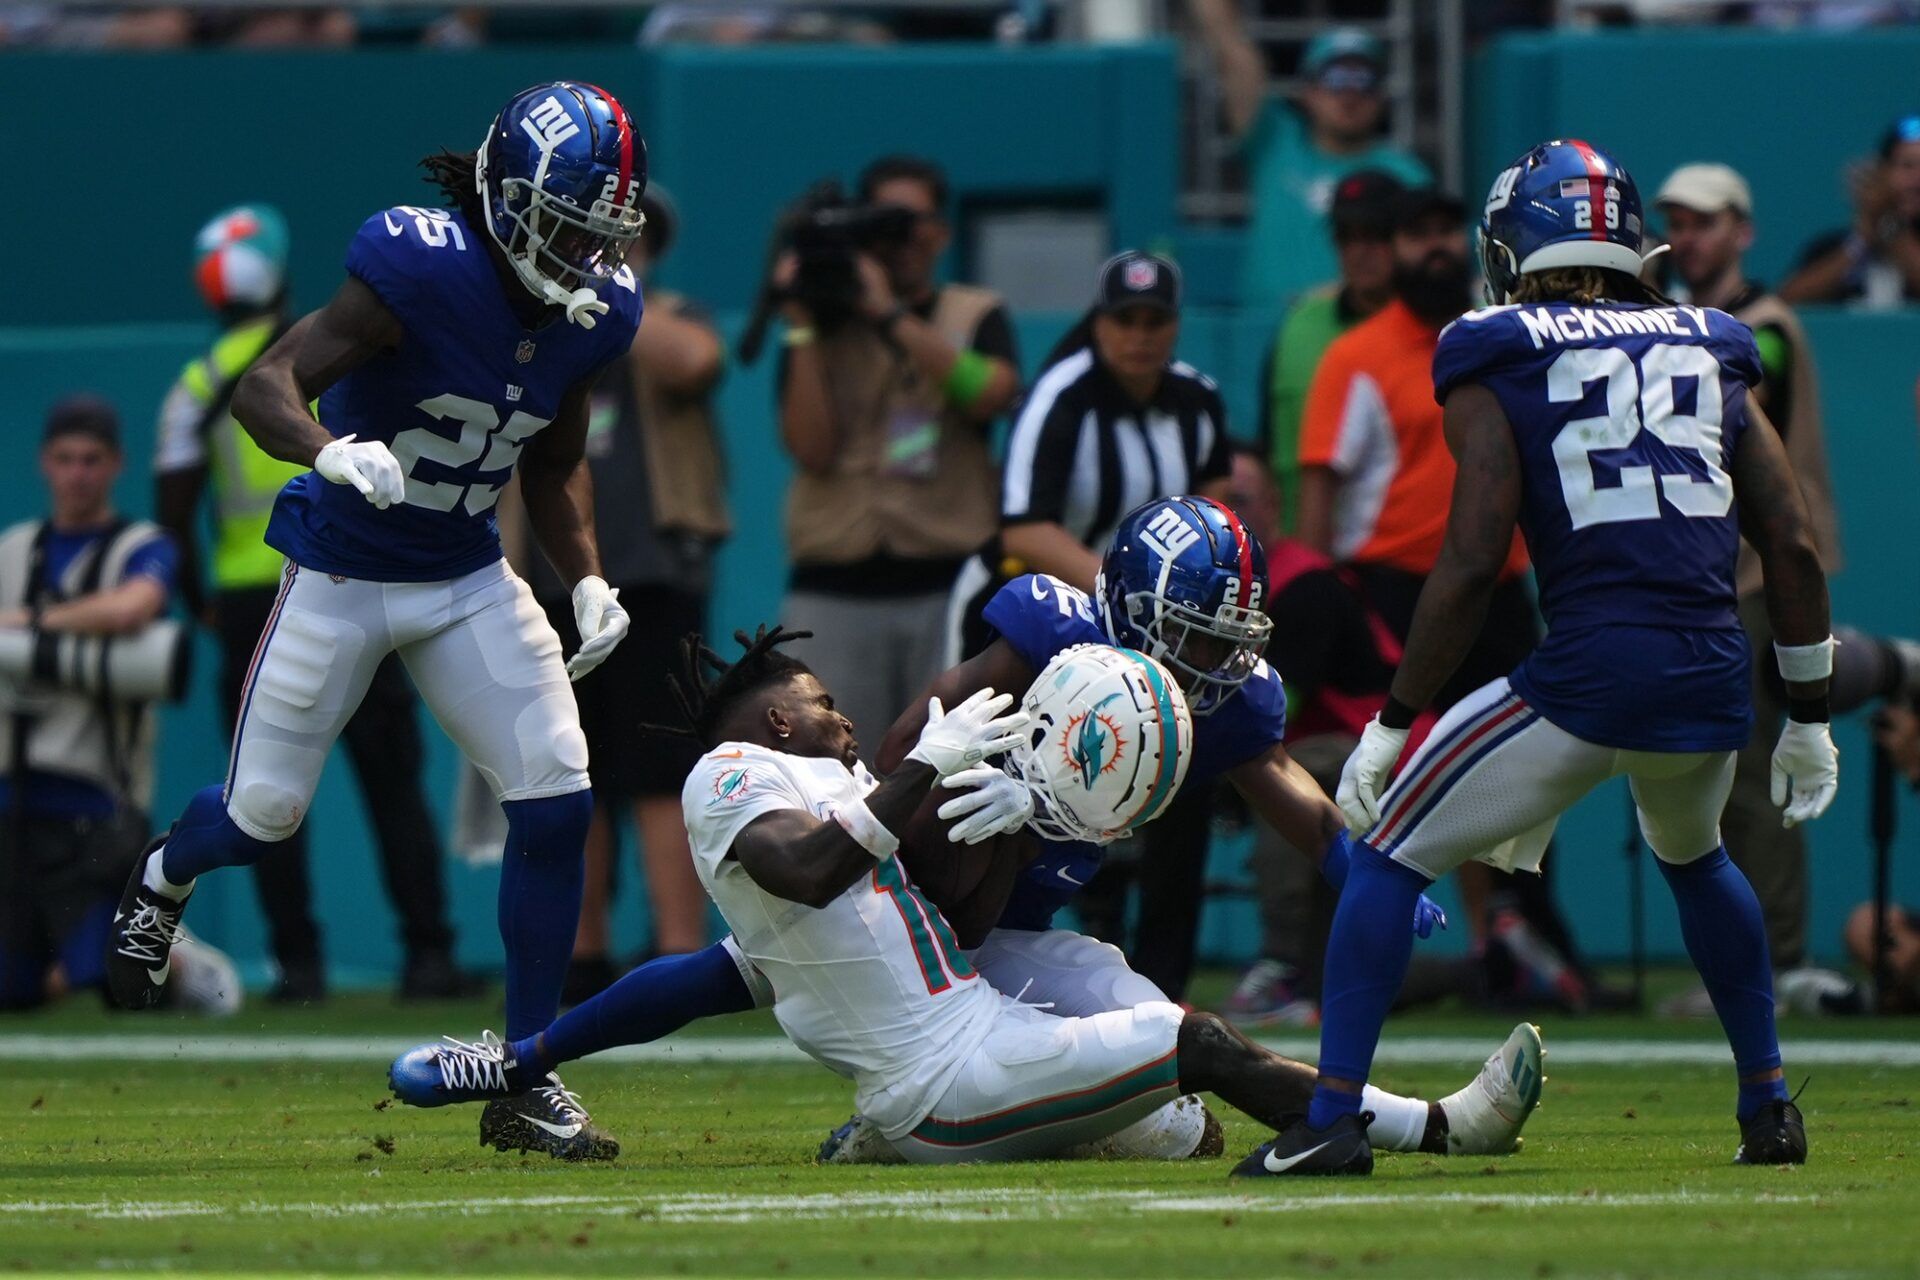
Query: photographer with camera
[
  {"x": 888, "y": 384},
  {"x": 85, "y": 649},
  {"x": 1875, "y": 261}
]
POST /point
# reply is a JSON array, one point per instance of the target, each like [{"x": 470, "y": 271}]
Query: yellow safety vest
[{"x": 245, "y": 479}]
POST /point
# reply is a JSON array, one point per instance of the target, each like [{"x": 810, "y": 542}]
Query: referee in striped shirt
[{"x": 1113, "y": 421}]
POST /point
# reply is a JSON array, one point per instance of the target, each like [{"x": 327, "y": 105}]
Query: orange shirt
[{"x": 1371, "y": 417}]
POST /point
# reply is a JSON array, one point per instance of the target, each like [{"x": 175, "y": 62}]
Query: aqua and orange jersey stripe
[{"x": 1160, "y": 1074}]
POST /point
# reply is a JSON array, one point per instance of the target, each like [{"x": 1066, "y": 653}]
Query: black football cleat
[
  {"x": 1775, "y": 1134},
  {"x": 1339, "y": 1150},
  {"x": 140, "y": 942},
  {"x": 545, "y": 1118}
]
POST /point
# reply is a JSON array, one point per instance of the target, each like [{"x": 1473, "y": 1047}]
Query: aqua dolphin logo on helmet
[
  {"x": 1563, "y": 204},
  {"x": 1092, "y": 733},
  {"x": 1111, "y": 740},
  {"x": 561, "y": 174}
]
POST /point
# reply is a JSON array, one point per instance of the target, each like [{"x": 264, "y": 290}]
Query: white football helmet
[{"x": 1109, "y": 746}]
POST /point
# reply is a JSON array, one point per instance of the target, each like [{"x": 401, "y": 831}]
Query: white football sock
[
  {"x": 1398, "y": 1123},
  {"x": 155, "y": 879}
]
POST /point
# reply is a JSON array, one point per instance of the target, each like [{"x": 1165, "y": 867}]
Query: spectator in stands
[
  {"x": 1114, "y": 420},
  {"x": 76, "y": 764},
  {"x": 1375, "y": 473},
  {"x": 653, "y": 447},
  {"x": 1708, "y": 210},
  {"x": 200, "y": 452},
  {"x": 1876, "y": 261},
  {"x": 1362, "y": 221},
  {"x": 1298, "y": 152},
  {"x": 887, "y": 418}
]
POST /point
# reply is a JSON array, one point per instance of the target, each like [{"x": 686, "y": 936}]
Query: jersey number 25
[{"x": 1632, "y": 407}]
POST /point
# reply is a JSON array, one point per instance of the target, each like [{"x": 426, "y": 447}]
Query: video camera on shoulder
[{"x": 825, "y": 229}]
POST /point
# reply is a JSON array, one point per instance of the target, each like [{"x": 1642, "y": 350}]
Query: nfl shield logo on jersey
[{"x": 524, "y": 352}]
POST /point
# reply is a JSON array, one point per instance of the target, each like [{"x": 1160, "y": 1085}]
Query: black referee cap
[{"x": 1135, "y": 278}]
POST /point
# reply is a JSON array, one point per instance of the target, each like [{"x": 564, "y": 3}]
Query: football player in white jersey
[{"x": 796, "y": 841}]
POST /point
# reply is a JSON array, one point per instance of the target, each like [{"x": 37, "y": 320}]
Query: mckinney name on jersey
[
  {"x": 1625, "y": 418},
  {"x": 456, "y": 401},
  {"x": 1563, "y": 322}
]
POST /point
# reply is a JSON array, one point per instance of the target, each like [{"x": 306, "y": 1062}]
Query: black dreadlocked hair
[
  {"x": 705, "y": 702},
  {"x": 453, "y": 173}
]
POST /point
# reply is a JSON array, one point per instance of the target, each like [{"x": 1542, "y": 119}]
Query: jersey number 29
[{"x": 1632, "y": 407}]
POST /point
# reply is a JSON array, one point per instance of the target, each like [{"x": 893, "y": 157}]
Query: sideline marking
[
  {"x": 690, "y": 1050},
  {"x": 1003, "y": 1204}
]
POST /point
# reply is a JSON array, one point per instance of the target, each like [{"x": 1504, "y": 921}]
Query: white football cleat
[
  {"x": 204, "y": 978},
  {"x": 1485, "y": 1118},
  {"x": 858, "y": 1141}
]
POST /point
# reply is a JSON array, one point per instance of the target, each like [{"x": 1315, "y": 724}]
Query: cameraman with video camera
[
  {"x": 888, "y": 385},
  {"x": 85, "y": 649}
]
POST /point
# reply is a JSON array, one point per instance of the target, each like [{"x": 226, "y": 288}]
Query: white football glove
[
  {"x": 1365, "y": 774},
  {"x": 368, "y": 466},
  {"x": 992, "y": 805},
  {"x": 601, "y": 621},
  {"x": 1806, "y": 772},
  {"x": 957, "y": 739}
]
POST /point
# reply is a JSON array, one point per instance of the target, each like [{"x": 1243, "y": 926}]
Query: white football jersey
[{"x": 873, "y": 985}]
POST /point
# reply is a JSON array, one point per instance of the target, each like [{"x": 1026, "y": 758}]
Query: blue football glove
[{"x": 1427, "y": 916}]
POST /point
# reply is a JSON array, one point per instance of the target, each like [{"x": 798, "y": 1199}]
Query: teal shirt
[{"x": 1289, "y": 246}]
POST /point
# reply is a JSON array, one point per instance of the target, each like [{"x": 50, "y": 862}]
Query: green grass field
[{"x": 193, "y": 1160}]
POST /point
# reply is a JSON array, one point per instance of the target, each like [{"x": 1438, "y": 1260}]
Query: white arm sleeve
[{"x": 178, "y": 442}]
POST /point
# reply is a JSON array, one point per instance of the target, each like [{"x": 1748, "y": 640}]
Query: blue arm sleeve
[{"x": 1333, "y": 867}]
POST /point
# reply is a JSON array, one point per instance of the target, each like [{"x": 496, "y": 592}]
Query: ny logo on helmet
[
  {"x": 1168, "y": 535},
  {"x": 549, "y": 125}
]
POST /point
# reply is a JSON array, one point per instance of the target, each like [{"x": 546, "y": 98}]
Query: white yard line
[
  {"x": 755, "y": 1050},
  {"x": 947, "y": 1205}
]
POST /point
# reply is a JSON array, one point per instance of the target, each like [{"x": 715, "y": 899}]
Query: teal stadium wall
[{"x": 99, "y": 298}]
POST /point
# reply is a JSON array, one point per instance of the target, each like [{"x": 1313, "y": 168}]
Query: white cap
[{"x": 1707, "y": 188}]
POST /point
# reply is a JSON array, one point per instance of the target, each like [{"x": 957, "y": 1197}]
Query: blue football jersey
[
  {"x": 1625, "y": 418},
  {"x": 456, "y": 401},
  {"x": 1039, "y": 616}
]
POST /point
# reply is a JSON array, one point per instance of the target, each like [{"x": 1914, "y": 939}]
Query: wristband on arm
[
  {"x": 1397, "y": 714},
  {"x": 1805, "y": 663},
  {"x": 867, "y": 831},
  {"x": 968, "y": 378}
]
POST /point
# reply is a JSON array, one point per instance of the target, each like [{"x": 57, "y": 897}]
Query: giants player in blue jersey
[
  {"x": 462, "y": 342},
  {"x": 1617, "y": 430}
]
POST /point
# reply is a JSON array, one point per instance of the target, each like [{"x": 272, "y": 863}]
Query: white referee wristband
[
  {"x": 1805, "y": 663},
  {"x": 867, "y": 831}
]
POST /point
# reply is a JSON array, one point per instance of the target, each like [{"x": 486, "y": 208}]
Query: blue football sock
[
  {"x": 541, "y": 876},
  {"x": 655, "y": 1000},
  {"x": 205, "y": 838},
  {"x": 1367, "y": 956},
  {"x": 1726, "y": 936}
]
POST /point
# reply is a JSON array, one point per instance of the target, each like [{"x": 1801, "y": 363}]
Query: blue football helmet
[
  {"x": 561, "y": 174},
  {"x": 1563, "y": 204},
  {"x": 1183, "y": 582}
]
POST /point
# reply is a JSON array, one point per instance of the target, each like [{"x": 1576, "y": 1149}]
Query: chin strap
[{"x": 583, "y": 305}]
